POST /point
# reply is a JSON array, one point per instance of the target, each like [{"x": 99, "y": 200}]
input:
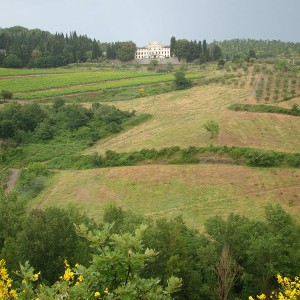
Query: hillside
[
  {"x": 177, "y": 117},
  {"x": 197, "y": 192}
]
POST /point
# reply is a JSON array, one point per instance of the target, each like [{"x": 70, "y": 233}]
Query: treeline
[
  {"x": 21, "y": 47},
  {"x": 239, "y": 48},
  {"x": 115, "y": 257},
  {"x": 195, "y": 51}
]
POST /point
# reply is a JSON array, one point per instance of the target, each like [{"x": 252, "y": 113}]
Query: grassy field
[
  {"x": 178, "y": 118},
  {"x": 196, "y": 192}
]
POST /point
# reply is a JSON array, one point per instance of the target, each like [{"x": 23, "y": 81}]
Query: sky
[{"x": 143, "y": 21}]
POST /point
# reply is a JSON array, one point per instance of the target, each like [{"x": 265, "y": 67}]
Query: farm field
[
  {"x": 64, "y": 82},
  {"x": 196, "y": 192}
]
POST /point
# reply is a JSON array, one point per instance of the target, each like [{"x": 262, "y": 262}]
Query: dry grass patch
[
  {"x": 178, "y": 119},
  {"x": 196, "y": 192}
]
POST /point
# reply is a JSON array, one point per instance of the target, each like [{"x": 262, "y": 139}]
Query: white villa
[{"x": 153, "y": 51}]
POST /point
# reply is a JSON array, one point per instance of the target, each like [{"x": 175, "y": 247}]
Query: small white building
[{"x": 153, "y": 51}]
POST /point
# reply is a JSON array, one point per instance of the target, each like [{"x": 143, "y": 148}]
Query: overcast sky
[{"x": 143, "y": 21}]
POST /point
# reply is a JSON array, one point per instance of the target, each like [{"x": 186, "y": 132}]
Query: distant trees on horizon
[{"x": 21, "y": 47}]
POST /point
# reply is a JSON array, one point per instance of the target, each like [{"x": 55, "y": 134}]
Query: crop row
[
  {"x": 23, "y": 72},
  {"x": 42, "y": 82},
  {"x": 102, "y": 86}
]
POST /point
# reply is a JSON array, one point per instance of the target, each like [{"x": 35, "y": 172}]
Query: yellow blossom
[
  {"x": 36, "y": 276},
  {"x": 261, "y": 297},
  {"x": 24, "y": 281},
  {"x": 80, "y": 278},
  {"x": 66, "y": 263},
  {"x": 97, "y": 294},
  {"x": 68, "y": 275},
  {"x": 13, "y": 294},
  {"x": 106, "y": 291}
]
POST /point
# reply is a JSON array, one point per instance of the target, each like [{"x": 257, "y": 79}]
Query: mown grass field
[
  {"x": 196, "y": 192},
  {"x": 178, "y": 119}
]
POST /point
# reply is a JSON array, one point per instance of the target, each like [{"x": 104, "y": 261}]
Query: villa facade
[{"x": 155, "y": 50}]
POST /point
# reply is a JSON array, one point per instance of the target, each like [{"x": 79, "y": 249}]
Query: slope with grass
[
  {"x": 178, "y": 119},
  {"x": 196, "y": 192}
]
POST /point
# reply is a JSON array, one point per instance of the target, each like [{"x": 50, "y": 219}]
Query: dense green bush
[{"x": 294, "y": 111}]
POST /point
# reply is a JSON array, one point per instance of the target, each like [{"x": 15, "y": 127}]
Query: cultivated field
[{"x": 38, "y": 85}]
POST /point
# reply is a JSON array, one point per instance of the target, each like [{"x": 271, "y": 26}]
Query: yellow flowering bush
[
  {"x": 6, "y": 291},
  {"x": 289, "y": 290}
]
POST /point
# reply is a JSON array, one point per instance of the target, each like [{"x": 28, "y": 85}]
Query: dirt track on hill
[{"x": 12, "y": 179}]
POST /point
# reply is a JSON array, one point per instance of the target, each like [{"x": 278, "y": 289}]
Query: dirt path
[{"x": 12, "y": 179}]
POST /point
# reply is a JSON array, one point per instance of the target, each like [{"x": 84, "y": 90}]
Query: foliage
[
  {"x": 12, "y": 211},
  {"x": 116, "y": 262},
  {"x": 126, "y": 51},
  {"x": 114, "y": 272},
  {"x": 32, "y": 179},
  {"x": 289, "y": 290},
  {"x": 182, "y": 83},
  {"x": 212, "y": 127},
  {"x": 294, "y": 111},
  {"x": 176, "y": 155},
  {"x": 228, "y": 271},
  {"x": 6, "y": 291},
  {"x": 41, "y": 49},
  {"x": 247, "y": 48},
  {"x": 74, "y": 126},
  {"x": 4, "y": 176},
  {"x": 6, "y": 95}
]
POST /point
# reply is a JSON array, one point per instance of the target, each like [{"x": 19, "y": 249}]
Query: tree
[
  {"x": 181, "y": 83},
  {"x": 6, "y": 95},
  {"x": 181, "y": 48},
  {"x": 212, "y": 127},
  {"x": 205, "y": 51},
  {"x": 126, "y": 51},
  {"x": 12, "y": 211},
  {"x": 228, "y": 272},
  {"x": 216, "y": 52},
  {"x": 96, "y": 50},
  {"x": 12, "y": 61},
  {"x": 172, "y": 45},
  {"x": 48, "y": 238},
  {"x": 114, "y": 272}
]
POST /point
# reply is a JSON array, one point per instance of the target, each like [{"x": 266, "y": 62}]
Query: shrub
[
  {"x": 263, "y": 159},
  {"x": 181, "y": 83}
]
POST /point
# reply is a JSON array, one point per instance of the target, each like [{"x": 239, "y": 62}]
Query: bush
[
  {"x": 263, "y": 159},
  {"x": 181, "y": 82}
]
